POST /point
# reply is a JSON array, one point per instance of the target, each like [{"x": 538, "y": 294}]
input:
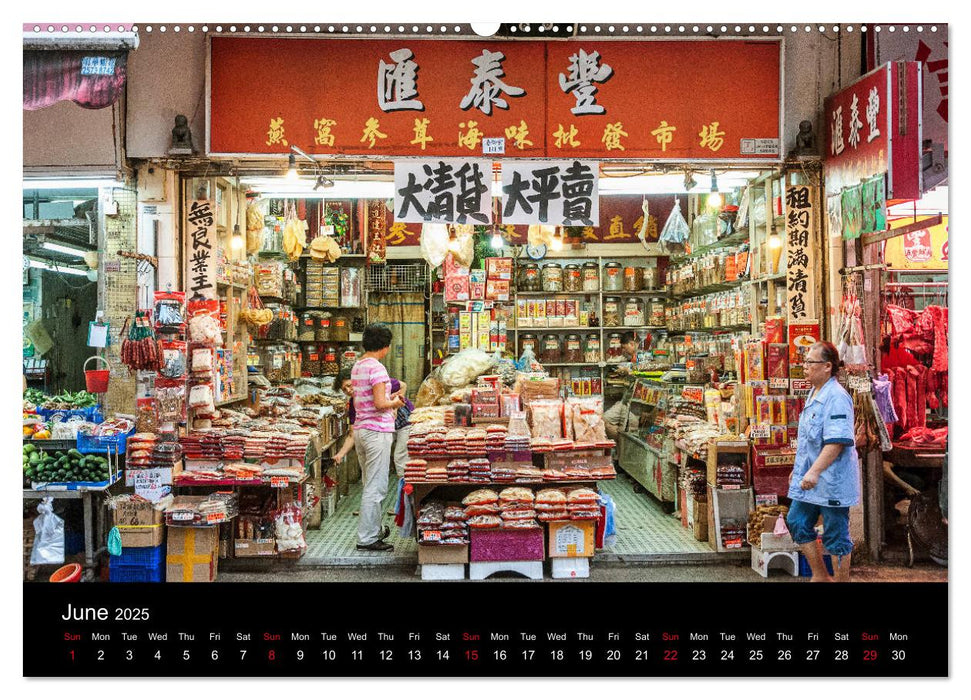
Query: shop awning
[{"x": 91, "y": 79}]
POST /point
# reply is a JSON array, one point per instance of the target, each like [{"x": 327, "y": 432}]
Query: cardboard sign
[{"x": 801, "y": 243}]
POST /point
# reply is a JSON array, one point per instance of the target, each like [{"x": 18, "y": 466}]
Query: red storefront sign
[
  {"x": 659, "y": 100},
  {"x": 872, "y": 128}
]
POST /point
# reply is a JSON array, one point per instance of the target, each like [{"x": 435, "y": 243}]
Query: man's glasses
[{"x": 815, "y": 362}]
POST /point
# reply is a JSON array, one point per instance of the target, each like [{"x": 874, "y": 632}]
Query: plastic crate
[
  {"x": 92, "y": 414},
  {"x": 136, "y": 574},
  {"x": 94, "y": 444},
  {"x": 149, "y": 557}
]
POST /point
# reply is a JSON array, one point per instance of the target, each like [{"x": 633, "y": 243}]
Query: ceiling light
[
  {"x": 557, "y": 242},
  {"x": 70, "y": 184},
  {"x": 496, "y": 241},
  {"x": 775, "y": 241},
  {"x": 715, "y": 199},
  {"x": 292, "y": 175},
  {"x": 57, "y": 268},
  {"x": 66, "y": 249},
  {"x": 237, "y": 241}
]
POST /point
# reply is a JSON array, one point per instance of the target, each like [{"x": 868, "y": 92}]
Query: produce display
[
  {"x": 41, "y": 466},
  {"x": 65, "y": 401}
]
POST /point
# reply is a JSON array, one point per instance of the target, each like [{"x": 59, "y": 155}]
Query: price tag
[
  {"x": 778, "y": 383},
  {"x": 759, "y": 430},
  {"x": 279, "y": 482},
  {"x": 493, "y": 146},
  {"x": 215, "y": 517},
  {"x": 858, "y": 383},
  {"x": 182, "y": 516},
  {"x": 769, "y": 499}
]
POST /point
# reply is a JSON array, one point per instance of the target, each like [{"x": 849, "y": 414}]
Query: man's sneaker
[
  {"x": 385, "y": 533},
  {"x": 376, "y": 546}
]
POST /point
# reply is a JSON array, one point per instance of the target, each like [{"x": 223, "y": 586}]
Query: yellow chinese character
[
  {"x": 616, "y": 229},
  {"x": 711, "y": 137},
  {"x": 421, "y": 133},
  {"x": 611, "y": 137},
  {"x": 664, "y": 134},
  {"x": 566, "y": 138},
  {"x": 510, "y": 231},
  {"x": 274, "y": 134},
  {"x": 396, "y": 234},
  {"x": 371, "y": 132},
  {"x": 471, "y": 138},
  {"x": 588, "y": 233},
  {"x": 519, "y": 134},
  {"x": 322, "y": 127}
]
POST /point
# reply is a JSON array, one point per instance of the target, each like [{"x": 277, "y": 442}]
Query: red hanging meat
[{"x": 899, "y": 377}]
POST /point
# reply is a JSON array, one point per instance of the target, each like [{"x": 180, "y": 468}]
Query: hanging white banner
[
  {"x": 444, "y": 191},
  {"x": 556, "y": 193}
]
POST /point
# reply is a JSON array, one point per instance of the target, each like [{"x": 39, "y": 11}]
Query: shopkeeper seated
[{"x": 617, "y": 417}]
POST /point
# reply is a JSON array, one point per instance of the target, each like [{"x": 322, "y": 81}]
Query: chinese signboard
[
  {"x": 518, "y": 99},
  {"x": 919, "y": 250},
  {"x": 558, "y": 193},
  {"x": 800, "y": 246},
  {"x": 443, "y": 191},
  {"x": 200, "y": 249},
  {"x": 873, "y": 128}
]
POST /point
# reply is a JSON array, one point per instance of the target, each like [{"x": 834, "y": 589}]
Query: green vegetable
[
  {"x": 74, "y": 453},
  {"x": 28, "y": 448}
]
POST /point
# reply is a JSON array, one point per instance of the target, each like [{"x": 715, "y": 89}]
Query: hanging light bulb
[
  {"x": 454, "y": 244},
  {"x": 496, "y": 241},
  {"x": 237, "y": 241},
  {"x": 557, "y": 242},
  {"x": 715, "y": 198},
  {"x": 775, "y": 241},
  {"x": 292, "y": 169}
]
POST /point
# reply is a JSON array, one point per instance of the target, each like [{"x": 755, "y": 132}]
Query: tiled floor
[{"x": 644, "y": 533}]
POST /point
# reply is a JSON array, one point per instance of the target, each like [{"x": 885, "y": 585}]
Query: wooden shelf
[
  {"x": 736, "y": 238},
  {"x": 711, "y": 289}
]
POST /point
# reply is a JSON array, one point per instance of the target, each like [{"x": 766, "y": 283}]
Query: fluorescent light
[
  {"x": 304, "y": 188},
  {"x": 70, "y": 184},
  {"x": 671, "y": 183},
  {"x": 66, "y": 249},
  {"x": 55, "y": 268}
]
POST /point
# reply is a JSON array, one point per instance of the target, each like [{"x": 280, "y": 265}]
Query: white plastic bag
[
  {"x": 465, "y": 367},
  {"x": 49, "y": 542},
  {"x": 434, "y": 243},
  {"x": 676, "y": 230}
]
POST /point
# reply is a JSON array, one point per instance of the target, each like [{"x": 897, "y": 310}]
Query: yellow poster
[{"x": 919, "y": 250}]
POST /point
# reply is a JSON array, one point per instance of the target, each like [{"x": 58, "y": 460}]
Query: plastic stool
[{"x": 785, "y": 559}]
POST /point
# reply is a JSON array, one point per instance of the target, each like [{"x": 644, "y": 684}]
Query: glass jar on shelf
[
  {"x": 591, "y": 277},
  {"x": 324, "y": 325},
  {"x": 633, "y": 278},
  {"x": 615, "y": 349},
  {"x": 529, "y": 278},
  {"x": 612, "y": 312},
  {"x": 572, "y": 278},
  {"x": 552, "y": 277},
  {"x": 613, "y": 277},
  {"x": 656, "y": 312},
  {"x": 550, "y": 350},
  {"x": 528, "y": 340},
  {"x": 573, "y": 349},
  {"x": 591, "y": 348},
  {"x": 634, "y": 312}
]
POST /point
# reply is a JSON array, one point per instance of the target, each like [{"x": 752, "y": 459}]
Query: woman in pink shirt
[{"x": 374, "y": 409}]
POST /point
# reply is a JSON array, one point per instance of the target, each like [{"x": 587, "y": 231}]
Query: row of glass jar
[
  {"x": 322, "y": 325},
  {"x": 282, "y": 327},
  {"x": 572, "y": 348},
  {"x": 280, "y": 362},
  {"x": 712, "y": 311},
  {"x": 719, "y": 267},
  {"x": 633, "y": 311},
  {"x": 588, "y": 277},
  {"x": 321, "y": 359}
]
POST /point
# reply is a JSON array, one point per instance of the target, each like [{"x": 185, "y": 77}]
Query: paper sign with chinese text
[
  {"x": 800, "y": 253},
  {"x": 447, "y": 191},
  {"x": 200, "y": 249},
  {"x": 554, "y": 193}
]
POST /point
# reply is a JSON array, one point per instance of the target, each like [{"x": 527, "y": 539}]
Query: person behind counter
[
  {"x": 825, "y": 479},
  {"x": 374, "y": 419},
  {"x": 617, "y": 417}
]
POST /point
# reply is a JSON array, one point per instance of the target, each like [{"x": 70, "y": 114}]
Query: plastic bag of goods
[
  {"x": 49, "y": 541},
  {"x": 547, "y": 418},
  {"x": 463, "y": 368},
  {"x": 430, "y": 391},
  {"x": 586, "y": 414}
]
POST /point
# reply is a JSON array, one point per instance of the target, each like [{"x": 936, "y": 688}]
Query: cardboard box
[
  {"x": 255, "y": 548},
  {"x": 572, "y": 539},
  {"x": 132, "y": 513},
  {"x": 141, "y": 535},
  {"x": 443, "y": 554},
  {"x": 777, "y": 361},
  {"x": 772, "y": 542},
  {"x": 499, "y": 268},
  {"x": 497, "y": 290},
  {"x": 735, "y": 448},
  {"x": 699, "y": 513},
  {"x": 191, "y": 554},
  {"x": 457, "y": 288}
]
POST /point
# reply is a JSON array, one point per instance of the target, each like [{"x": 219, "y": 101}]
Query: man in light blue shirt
[{"x": 825, "y": 478}]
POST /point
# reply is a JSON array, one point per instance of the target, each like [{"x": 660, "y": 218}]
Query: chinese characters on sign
[
  {"x": 584, "y": 72},
  {"x": 800, "y": 282},
  {"x": 487, "y": 83},
  {"x": 201, "y": 244},
  {"x": 558, "y": 193},
  {"x": 449, "y": 191},
  {"x": 397, "y": 83}
]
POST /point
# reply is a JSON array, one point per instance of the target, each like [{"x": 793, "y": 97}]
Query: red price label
[
  {"x": 279, "y": 482},
  {"x": 214, "y": 518}
]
